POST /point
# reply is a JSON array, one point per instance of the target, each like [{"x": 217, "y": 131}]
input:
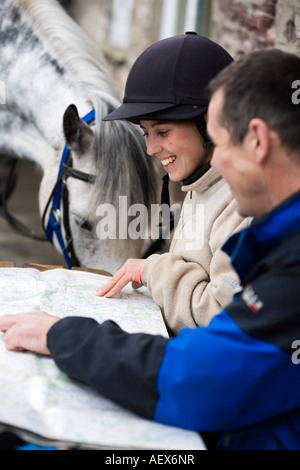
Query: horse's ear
[{"x": 78, "y": 134}]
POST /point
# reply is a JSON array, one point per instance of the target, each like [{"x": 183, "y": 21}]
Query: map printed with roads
[{"x": 38, "y": 398}]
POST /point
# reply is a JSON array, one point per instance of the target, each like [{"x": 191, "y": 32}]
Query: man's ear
[{"x": 259, "y": 138}]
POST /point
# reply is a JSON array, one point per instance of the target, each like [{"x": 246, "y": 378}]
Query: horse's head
[
  {"x": 106, "y": 174},
  {"x": 56, "y": 64}
]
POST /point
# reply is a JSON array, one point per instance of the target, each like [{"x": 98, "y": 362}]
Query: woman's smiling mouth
[{"x": 169, "y": 160}]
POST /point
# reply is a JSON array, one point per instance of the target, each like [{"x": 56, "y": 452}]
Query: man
[{"x": 238, "y": 376}]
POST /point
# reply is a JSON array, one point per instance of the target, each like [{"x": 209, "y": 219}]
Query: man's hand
[
  {"x": 129, "y": 272},
  {"x": 27, "y": 331}
]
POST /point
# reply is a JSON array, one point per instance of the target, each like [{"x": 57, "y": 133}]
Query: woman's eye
[
  {"x": 162, "y": 133},
  {"x": 159, "y": 133}
]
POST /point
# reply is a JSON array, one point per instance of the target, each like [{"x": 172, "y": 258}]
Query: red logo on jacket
[{"x": 251, "y": 299}]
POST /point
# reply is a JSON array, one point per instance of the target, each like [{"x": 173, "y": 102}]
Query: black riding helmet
[{"x": 168, "y": 81}]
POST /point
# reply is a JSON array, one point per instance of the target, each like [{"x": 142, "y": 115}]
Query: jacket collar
[
  {"x": 196, "y": 175},
  {"x": 204, "y": 180},
  {"x": 250, "y": 245}
]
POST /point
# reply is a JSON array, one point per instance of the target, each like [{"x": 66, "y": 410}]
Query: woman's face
[{"x": 178, "y": 145}]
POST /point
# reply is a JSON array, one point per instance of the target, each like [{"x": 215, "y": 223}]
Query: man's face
[{"x": 236, "y": 163}]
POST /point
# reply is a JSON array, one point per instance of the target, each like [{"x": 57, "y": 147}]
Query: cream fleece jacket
[{"x": 195, "y": 279}]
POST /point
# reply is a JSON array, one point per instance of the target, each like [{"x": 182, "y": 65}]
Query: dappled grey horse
[{"x": 55, "y": 90}]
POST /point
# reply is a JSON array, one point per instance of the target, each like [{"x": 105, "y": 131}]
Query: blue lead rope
[{"x": 54, "y": 222}]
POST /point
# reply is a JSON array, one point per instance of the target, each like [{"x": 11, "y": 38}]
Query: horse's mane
[
  {"x": 76, "y": 52},
  {"x": 121, "y": 155}
]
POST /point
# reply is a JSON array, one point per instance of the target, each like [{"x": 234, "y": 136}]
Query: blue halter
[{"x": 54, "y": 221}]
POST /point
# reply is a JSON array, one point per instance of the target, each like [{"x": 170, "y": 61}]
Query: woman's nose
[{"x": 153, "y": 148}]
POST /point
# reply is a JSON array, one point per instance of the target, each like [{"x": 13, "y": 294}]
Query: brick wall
[
  {"x": 239, "y": 25},
  {"x": 243, "y": 26}
]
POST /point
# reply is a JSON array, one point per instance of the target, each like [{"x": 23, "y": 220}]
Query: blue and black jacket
[{"x": 238, "y": 377}]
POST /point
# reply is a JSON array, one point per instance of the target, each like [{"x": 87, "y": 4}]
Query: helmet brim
[{"x": 136, "y": 112}]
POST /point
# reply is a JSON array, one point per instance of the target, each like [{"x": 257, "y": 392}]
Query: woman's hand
[{"x": 129, "y": 272}]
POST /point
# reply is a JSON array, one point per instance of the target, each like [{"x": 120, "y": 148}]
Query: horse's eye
[{"x": 84, "y": 224}]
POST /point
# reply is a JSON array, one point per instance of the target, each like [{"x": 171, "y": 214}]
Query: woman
[{"x": 166, "y": 95}]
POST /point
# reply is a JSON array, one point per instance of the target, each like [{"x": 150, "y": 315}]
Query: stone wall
[
  {"x": 243, "y": 26},
  {"x": 240, "y": 26}
]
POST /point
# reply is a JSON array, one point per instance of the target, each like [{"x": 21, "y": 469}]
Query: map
[{"x": 38, "y": 399}]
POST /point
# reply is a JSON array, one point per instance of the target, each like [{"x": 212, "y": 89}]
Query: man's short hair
[{"x": 259, "y": 85}]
